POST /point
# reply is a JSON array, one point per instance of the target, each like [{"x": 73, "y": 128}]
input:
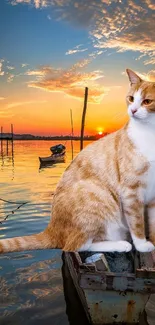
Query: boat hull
[
  {"x": 111, "y": 297},
  {"x": 52, "y": 159}
]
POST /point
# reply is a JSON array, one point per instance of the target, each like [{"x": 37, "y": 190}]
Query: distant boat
[{"x": 58, "y": 155}]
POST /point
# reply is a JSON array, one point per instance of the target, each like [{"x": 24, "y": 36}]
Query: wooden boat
[
  {"x": 57, "y": 156},
  {"x": 53, "y": 159},
  {"x": 117, "y": 289}
]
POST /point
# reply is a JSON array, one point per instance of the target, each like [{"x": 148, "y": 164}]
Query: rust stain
[
  {"x": 130, "y": 310},
  {"x": 96, "y": 312},
  {"x": 96, "y": 307}
]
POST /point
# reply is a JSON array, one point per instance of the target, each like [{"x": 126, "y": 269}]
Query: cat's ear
[{"x": 133, "y": 77}]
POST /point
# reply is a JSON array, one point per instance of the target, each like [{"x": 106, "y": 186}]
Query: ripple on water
[{"x": 31, "y": 283}]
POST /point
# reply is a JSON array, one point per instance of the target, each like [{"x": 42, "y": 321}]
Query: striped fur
[{"x": 99, "y": 201}]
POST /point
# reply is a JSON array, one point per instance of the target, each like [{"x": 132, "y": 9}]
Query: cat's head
[{"x": 141, "y": 98}]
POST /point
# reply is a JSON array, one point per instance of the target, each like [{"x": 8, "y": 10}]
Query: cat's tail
[{"x": 43, "y": 240}]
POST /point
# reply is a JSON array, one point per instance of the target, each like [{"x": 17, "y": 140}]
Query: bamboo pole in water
[
  {"x": 83, "y": 117},
  {"x": 1, "y": 138},
  {"x": 1, "y": 132},
  {"x": 12, "y": 148},
  {"x": 12, "y": 131},
  {"x": 72, "y": 133},
  {"x": 2, "y": 145}
]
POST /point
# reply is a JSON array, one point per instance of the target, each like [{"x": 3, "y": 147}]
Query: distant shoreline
[
  {"x": 6, "y": 136},
  {"x": 48, "y": 139}
]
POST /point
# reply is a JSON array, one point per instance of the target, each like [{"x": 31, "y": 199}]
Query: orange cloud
[
  {"x": 15, "y": 104},
  {"x": 71, "y": 82},
  {"x": 151, "y": 75}
]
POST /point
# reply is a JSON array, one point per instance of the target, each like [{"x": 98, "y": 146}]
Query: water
[{"x": 31, "y": 282}]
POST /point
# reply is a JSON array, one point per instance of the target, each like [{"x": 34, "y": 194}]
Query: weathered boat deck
[{"x": 118, "y": 289}]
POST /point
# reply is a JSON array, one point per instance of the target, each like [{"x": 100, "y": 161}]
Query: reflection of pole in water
[
  {"x": 7, "y": 146},
  {"x": 8, "y": 139},
  {"x": 12, "y": 150},
  {"x": 2, "y": 145},
  {"x": 72, "y": 133},
  {"x": 12, "y": 132}
]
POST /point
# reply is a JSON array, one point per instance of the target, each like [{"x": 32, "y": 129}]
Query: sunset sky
[{"x": 51, "y": 49}]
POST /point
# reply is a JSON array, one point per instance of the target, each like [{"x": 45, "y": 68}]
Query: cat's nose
[{"x": 134, "y": 110}]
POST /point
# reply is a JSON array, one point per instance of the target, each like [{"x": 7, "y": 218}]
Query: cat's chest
[
  {"x": 143, "y": 138},
  {"x": 144, "y": 142},
  {"x": 150, "y": 183}
]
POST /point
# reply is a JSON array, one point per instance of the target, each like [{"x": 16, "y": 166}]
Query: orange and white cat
[{"x": 101, "y": 196}]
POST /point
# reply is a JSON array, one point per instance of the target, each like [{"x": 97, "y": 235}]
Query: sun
[{"x": 100, "y": 130}]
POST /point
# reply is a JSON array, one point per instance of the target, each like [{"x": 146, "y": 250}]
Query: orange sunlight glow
[{"x": 100, "y": 130}]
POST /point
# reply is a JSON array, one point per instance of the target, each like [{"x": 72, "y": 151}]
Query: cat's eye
[
  {"x": 147, "y": 101},
  {"x": 131, "y": 99}
]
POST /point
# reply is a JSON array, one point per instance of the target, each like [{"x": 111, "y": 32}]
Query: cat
[{"x": 101, "y": 197}]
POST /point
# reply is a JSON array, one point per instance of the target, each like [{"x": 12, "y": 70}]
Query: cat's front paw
[
  {"x": 123, "y": 246},
  {"x": 145, "y": 247}
]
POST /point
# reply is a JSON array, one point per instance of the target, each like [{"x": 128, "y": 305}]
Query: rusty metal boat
[{"x": 117, "y": 289}]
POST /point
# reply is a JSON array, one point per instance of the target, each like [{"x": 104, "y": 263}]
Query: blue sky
[{"x": 51, "y": 49}]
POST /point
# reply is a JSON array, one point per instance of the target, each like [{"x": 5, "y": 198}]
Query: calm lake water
[{"x": 31, "y": 282}]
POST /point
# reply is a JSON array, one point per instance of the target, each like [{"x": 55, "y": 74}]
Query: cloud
[
  {"x": 94, "y": 54},
  {"x": 2, "y": 98},
  {"x": 9, "y": 67},
  {"x": 138, "y": 38},
  {"x": 6, "y": 114},
  {"x": 123, "y": 25},
  {"x": 151, "y": 75},
  {"x": 71, "y": 82},
  {"x": 76, "y": 50},
  {"x": 15, "y": 104},
  {"x": 10, "y": 77},
  {"x": 151, "y": 60},
  {"x": 1, "y": 68},
  {"x": 81, "y": 63},
  {"x": 39, "y": 72},
  {"x": 15, "y": 2},
  {"x": 36, "y": 3},
  {"x": 23, "y": 65}
]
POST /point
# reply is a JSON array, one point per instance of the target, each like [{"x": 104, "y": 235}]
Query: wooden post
[
  {"x": 1, "y": 132},
  {"x": 1, "y": 138},
  {"x": 72, "y": 133},
  {"x": 83, "y": 117},
  {"x": 12, "y": 131}
]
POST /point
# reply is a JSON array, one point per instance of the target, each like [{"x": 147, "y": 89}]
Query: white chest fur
[{"x": 143, "y": 137}]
